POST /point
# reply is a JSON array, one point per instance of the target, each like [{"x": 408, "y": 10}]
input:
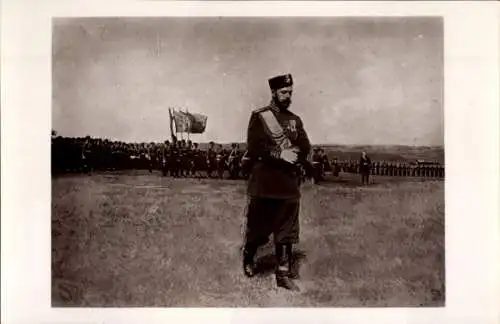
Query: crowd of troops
[
  {"x": 380, "y": 168},
  {"x": 185, "y": 159},
  {"x": 177, "y": 159}
]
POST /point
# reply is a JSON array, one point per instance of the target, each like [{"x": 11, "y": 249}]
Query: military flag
[
  {"x": 198, "y": 123},
  {"x": 185, "y": 122},
  {"x": 182, "y": 121}
]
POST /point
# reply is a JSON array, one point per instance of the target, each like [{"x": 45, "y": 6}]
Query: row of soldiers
[
  {"x": 178, "y": 158},
  {"x": 399, "y": 169},
  {"x": 185, "y": 159},
  {"x": 381, "y": 168}
]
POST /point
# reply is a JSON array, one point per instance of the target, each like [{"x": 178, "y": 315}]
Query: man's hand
[{"x": 290, "y": 155}]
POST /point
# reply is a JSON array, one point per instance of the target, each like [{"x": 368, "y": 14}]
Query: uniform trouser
[
  {"x": 365, "y": 176},
  {"x": 266, "y": 216}
]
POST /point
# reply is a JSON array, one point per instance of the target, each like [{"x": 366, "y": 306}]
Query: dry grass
[{"x": 142, "y": 240}]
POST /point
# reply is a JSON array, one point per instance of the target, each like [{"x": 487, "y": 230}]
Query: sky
[{"x": 357, "y": 81}]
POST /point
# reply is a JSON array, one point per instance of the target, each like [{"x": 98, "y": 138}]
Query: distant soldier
[
  {"x": 335, "y": 167},
  {"x": 233, "y": 161},
  {"x": 365, "y": 164},
  {"x": 317, "y": 163},
  {"x": 149, "y": 157},
  {"x": 188, "y": 158},
  {"x": 87, "y": 155},
  {"x": 245, "y": 166},
  {"x": 324, "y": 161},
  {"x": 195, "y": 160},
  {"x": 174, "y": 159},
  {"x": 220, "y": 161},
  {"x": 211, "y": 159},
  {"x": 180, "y": 157},
  {"x": 165, "y": 158}
]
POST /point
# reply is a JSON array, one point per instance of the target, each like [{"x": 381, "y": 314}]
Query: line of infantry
[
  {"x": 178, "y": 159},
  {"x": 186, "y": 159},
  {"x": 182, "y": 159},
  {"x": 365, "y": 166}
]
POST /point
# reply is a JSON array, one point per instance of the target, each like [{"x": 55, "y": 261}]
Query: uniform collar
[{"x": 274, "y": 107}]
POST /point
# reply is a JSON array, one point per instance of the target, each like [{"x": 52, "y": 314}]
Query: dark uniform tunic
[
  {"x": 211, "y": 161},
  {"x": 364, "y": 168},
  {"x": 273, "y": 185}
]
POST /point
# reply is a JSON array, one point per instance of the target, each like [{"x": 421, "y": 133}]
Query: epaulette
[{"x": 259, "y": 110}]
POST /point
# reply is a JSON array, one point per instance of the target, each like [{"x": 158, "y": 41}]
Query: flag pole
[
  {"x": 189, "y": 124},
  {"x": 176, "y": 132},
  {"x": 182, "y": 131},
  {"x": 171, "y": 125}
]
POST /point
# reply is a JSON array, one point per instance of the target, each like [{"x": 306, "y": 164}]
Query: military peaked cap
[{"x": 280, "y": 81}]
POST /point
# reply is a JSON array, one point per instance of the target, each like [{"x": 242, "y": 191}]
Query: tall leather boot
[
  {"x": 283, "y": 279},
  {"x": 292, "y": 270},
  {"x": 249, "y": 260}
]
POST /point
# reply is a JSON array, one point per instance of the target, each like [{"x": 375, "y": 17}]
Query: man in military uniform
[
  {"x": 233, "y": 162},
  {"x": 221, "y": 161},
  {"x": 211, "y": 159},
  {"x": 318, "y": 165},
  {"x": 365, "y": 164},
  {"x": 245, "y": 166},
  {"x": 335, "y": 167},
  {"x": 195, "y": 160},
  {"x": 276, "y": 143},
  {"x": 188, "y": 158},
  {"x": 173, "y": 159},
  {"x": 165, "y": 165},
  {"x": 180, "y": 157}
]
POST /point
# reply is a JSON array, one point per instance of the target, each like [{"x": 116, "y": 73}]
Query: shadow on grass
[{"x": 266, "y": 264}]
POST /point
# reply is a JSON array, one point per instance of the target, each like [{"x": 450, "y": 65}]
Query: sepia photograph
[{"x": 247, "y": 162}]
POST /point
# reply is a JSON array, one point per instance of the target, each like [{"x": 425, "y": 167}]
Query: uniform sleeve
[{"x": 302, "y": 142}]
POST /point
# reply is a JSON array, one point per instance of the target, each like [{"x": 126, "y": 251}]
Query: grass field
[{"x": 137, "y": 239}]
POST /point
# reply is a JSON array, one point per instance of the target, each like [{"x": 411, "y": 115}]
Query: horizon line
[{"x": 243, "y": 142}]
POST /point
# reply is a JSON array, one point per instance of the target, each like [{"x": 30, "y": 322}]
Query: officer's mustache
[{"x": 284, "y": 102}]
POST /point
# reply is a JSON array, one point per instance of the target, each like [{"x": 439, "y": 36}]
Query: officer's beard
[{"x": 283, "y": 104}]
